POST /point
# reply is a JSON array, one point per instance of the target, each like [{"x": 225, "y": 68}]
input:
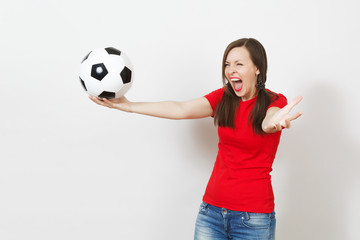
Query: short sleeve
[
  {"x": 215, "y": 97},
  {"x": 280, "y": 101}
]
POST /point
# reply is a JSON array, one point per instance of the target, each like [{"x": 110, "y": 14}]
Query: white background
[{"x": 70, "y": 169}]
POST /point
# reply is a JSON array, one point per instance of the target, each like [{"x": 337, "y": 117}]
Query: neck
[{"x": 250, "y": 96}]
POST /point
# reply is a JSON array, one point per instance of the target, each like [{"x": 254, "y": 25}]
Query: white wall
[{"x": 70, "y": 169}]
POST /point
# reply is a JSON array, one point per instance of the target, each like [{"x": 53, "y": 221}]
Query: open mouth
[{"x": 237, "y": 83}]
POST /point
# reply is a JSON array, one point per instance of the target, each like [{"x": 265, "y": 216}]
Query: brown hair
[{"x": 224, "y": 115}]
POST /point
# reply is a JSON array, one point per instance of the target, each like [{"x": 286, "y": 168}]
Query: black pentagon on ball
[
  {"x": 126, "y": 75},
  {"x": 107, "y": 95},
  {"x": 114, "y": 51},
  {"x": 98, "y": 71},
  {"x": 82, "y": 83}
]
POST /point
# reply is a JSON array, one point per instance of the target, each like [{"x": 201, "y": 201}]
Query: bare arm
[
  {"x": 196, "y": 108},
  {"x": 278, "y": 118}
]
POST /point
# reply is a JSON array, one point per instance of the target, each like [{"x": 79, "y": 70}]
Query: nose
[{"x": 230, "y": 69}]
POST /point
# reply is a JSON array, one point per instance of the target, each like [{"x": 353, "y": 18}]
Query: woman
[{"x": 238, "y": 202}]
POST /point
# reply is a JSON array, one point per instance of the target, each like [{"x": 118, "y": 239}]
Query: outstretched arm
[
  {"x": 278, "y": 118},
  {"x": 196, "y": 108}
]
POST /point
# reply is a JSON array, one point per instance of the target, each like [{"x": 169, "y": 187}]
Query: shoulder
[
  {"x": 217, "y": 92},
  {"x": 277, "y": 99},
  {"x": 215, "y": 96}
]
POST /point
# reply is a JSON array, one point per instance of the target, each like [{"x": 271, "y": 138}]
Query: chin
[{"x": 239, "y": 93}]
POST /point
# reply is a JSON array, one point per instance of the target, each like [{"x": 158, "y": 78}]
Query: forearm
[
  {"x": 195, "y": 108},
  {"x": 165, "y": 109}
]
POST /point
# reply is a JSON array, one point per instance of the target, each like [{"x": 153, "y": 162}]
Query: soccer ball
[{"x": 106, "y": 73}]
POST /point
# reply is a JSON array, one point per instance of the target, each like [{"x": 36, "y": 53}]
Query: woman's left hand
[{"x": 278, "y": 118}]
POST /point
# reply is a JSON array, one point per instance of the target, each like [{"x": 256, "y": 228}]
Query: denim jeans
[{"x": 214, "y": 223}]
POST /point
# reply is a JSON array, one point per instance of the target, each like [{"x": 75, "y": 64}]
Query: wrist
[{"x": 130, "y": 107}]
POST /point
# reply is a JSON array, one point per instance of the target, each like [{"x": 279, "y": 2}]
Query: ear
[{"x": 257, "y": 70}]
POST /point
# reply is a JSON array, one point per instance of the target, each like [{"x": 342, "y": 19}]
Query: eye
[
  {"x": 226, "y": 65},
  {"x": 239, "y": 64}
]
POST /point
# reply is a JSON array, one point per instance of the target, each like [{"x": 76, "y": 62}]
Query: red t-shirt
[{"x": 241, "y": 179}]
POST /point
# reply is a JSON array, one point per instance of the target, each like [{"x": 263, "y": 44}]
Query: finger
[
  {"x": 295, "y": 116},
  {"x": 105, "y": 100},
  {"x": 294, "y": 102},
  {"x": 108, "y": 102},
  {"x": 287, "y": 123},
  {"x": 98, "y": 101},
  {"x": 278, "y": 126},
  {"x": 275, "y": 127}
]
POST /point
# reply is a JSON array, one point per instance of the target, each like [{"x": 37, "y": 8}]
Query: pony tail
[
  {"x": 258, "y": 113},
  {"x": 225, "y": 111}
]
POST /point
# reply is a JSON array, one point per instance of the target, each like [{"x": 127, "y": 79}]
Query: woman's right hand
[{"x": 117, "y": 103}]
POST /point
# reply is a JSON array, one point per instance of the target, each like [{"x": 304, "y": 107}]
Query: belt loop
[{"x": 247, "y": 216}]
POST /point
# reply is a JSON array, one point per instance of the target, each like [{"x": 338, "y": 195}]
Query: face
[{"x": 241, "y": 72}]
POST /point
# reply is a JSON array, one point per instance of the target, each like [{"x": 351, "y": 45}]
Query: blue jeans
[{"x": 214, "y": 223}]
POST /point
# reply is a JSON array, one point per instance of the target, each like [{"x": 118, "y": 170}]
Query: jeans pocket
[
  {"x": 257, "y": 221},
  {"x": 203, "y": 208}
]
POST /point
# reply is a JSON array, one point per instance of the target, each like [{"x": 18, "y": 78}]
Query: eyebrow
[{"x": 238, "y": 60}]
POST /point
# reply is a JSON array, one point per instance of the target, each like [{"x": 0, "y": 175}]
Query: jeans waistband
[{"x": 223, "y": 211}]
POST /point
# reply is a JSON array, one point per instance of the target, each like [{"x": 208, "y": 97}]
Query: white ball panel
[
  {"x": 98, "y": 55},
  {"x": 123, "y": 90},
  {"x": 127, "y": 61},
  {"x": 114, "y": 63},
  {"x": 112, "y": 82}
]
